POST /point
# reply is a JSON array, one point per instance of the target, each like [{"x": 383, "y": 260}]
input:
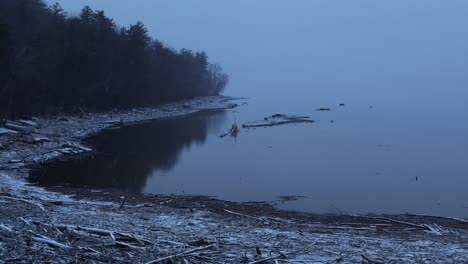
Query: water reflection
[{"x": 126, "y": 157}]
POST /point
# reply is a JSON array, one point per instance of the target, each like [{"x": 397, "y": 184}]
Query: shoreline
[
  {"x": 161, "y": 226},
  {"x": 59, "y": 135}
]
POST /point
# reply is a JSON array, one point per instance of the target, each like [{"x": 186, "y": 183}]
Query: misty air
[{"x": 242, "y": 131}]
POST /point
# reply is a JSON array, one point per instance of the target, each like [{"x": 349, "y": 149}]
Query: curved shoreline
[
  {"x": 54, "y": 133},
  {"x": 222, "y": 231}
]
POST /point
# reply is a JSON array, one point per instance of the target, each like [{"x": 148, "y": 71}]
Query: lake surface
[{"x": 375, "y": 157}]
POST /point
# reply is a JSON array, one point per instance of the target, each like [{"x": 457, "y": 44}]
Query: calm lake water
[{"x": 375, "y": 157}]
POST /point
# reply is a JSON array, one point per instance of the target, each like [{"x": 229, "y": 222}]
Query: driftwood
[
  {"x": 266, "y": 259},
  {"x": 115, "y": 236},
  {"x": 123, "y": 202},
  {"x": 188, "y": 252},
  {"x": 370, "y": 261},
  {"x": 126, "y": 245},
  {"x": 5, "y": 228},
  {"x": 17, "y": 126},
  {"x": 23, "y": 200},
  {"x": 171, "y": 242},
  {"x": 419, "y": 226},
  {"x": 7, "y": 131},
  {"x": 244, "y": 215},
  {"x": 94, "y": 231},
  {"x": 278, "y": 119},
  {"x": 27, "y": 123},
  {"x": 232, "y": 132},
  {"x": 280, "y": 255},
  {"x": 89, "y": 250},
  {"x": 50, "y": 242}
]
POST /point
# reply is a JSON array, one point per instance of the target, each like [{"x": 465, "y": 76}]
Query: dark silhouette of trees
[{"x": 52, "y": 62}]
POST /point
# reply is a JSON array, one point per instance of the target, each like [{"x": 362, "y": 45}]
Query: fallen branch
[
  {"x": 123, "y": 202},
  {"x": 97, "y": 231},
  {"x": 244, "y": 215},
  {"x": 273, "y": 257},
  {"x": 24, "y": 201},
  {"x": 122, "y": 244},
  {"x": 5, "y": 228},
  {"x": 115, "y": 236},
  {"x": 370, "y": 261},
  {"x": 132, "y": 237},
  {"x": 423, "y": 226},
  {"x": 266, "y": 259},
  {"x": 89, "y": 249},
  {"x": 278, "y": 119},
  {"x": 50, "y": 242},
  {"x": 233, "y": 131},
  {"x": 188, "y": 252},
  {"x": 171, "y": 242}
]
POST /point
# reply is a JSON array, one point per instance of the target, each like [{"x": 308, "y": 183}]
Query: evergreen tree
[{"x": 52, "y": 62}]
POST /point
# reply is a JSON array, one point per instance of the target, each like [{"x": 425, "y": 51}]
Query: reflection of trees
[{"x": 126, "y": 157}]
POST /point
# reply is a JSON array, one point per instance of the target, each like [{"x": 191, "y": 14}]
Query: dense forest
[{"x": 50, "y": 62}]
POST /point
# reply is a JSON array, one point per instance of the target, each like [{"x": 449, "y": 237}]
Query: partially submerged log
[
  {"x": 278, "y": 119},
  {"x": 232, "y": 132}
]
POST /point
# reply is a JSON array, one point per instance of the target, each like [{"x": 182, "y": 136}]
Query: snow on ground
[
  {"x": 38, "y": 225},
  {"x": 153, "y": 230}
]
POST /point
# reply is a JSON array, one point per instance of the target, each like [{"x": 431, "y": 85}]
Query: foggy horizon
[
  {"x": 208, "y": 131},
  {"x": 336, "y": 49}
]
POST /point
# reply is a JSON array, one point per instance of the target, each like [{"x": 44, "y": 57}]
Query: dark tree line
[{"x": 50, "y": 62}]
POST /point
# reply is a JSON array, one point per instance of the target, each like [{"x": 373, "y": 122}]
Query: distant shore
[{"x": 60, "y": 224}]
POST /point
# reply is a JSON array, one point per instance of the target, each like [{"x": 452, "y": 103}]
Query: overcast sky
[{"x": 349, "y": 47}]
